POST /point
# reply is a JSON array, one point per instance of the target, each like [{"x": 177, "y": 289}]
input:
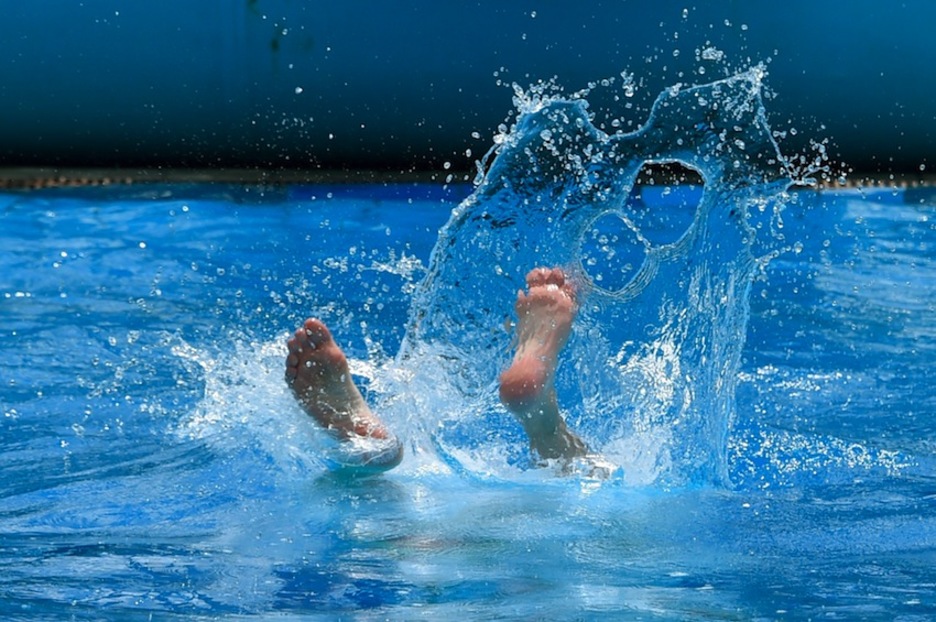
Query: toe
[
  {"x": 316, "y": 332},
  {"x": 545, "y": 276},
  {"x": 556, "y": 277},
  {"x": 301, "y": 338},
  {"x": 537, "y": 276}
]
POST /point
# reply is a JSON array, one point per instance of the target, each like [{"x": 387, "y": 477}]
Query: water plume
[{"x": 649, "y": 376}]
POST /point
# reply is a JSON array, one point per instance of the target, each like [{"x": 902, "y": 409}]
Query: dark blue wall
[{"x": 402, "y": 85}]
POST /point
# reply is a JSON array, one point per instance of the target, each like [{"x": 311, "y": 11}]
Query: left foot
[{"x": 317, "y": 372}]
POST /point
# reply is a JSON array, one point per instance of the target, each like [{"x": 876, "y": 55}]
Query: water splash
[
  {"x": 246, "y": 404},
  {"x": 655, "y": 356}
]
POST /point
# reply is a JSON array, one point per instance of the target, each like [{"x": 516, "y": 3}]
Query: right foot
[
  {"x": 317, "y": 372},
  {"x": 527, "y": 387}
]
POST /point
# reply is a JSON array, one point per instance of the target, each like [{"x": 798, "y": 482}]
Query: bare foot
[
  {"x": 527, "y": 388},
  {"x": 317, "y": 372}
]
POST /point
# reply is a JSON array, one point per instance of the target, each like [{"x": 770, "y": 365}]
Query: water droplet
[{"x": 712, "y": 53}]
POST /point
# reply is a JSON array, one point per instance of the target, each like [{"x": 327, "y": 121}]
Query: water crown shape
[{"x": 649, "y": 376}]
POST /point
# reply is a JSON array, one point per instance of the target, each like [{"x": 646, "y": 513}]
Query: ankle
[{"x": 560, "y": 444}]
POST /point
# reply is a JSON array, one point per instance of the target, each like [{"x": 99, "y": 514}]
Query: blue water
[{"x": 772, "y": 438}]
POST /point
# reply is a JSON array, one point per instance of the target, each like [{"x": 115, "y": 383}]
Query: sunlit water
[{"x": 754, "y": 360}]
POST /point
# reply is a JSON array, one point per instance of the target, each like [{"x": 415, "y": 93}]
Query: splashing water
[
  {"x": 156, "y": 462},
  {"x": 650, "y": 372}
]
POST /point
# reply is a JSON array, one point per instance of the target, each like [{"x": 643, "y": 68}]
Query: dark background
[{"x": 412, "y": 86}]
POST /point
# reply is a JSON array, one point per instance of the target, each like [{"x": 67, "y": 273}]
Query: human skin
[{"x": 317, "y": 373}]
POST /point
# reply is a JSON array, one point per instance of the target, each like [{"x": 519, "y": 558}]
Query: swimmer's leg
[
  {"x": 527, "y": 389},
  {"x": 317, "y": 372}
]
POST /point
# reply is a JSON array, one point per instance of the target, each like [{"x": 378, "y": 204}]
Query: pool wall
[{"x": 404, "y": 85}]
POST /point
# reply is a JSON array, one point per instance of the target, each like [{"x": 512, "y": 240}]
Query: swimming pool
[
  {"x": 153, "y": 462},
  {"x": 156, "y": 465}
]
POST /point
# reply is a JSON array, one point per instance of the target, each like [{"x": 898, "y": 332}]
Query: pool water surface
[{"x": 154, "y": 465}]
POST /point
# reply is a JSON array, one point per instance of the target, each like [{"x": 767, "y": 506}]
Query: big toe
[{"x": 316, "y": 333}]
